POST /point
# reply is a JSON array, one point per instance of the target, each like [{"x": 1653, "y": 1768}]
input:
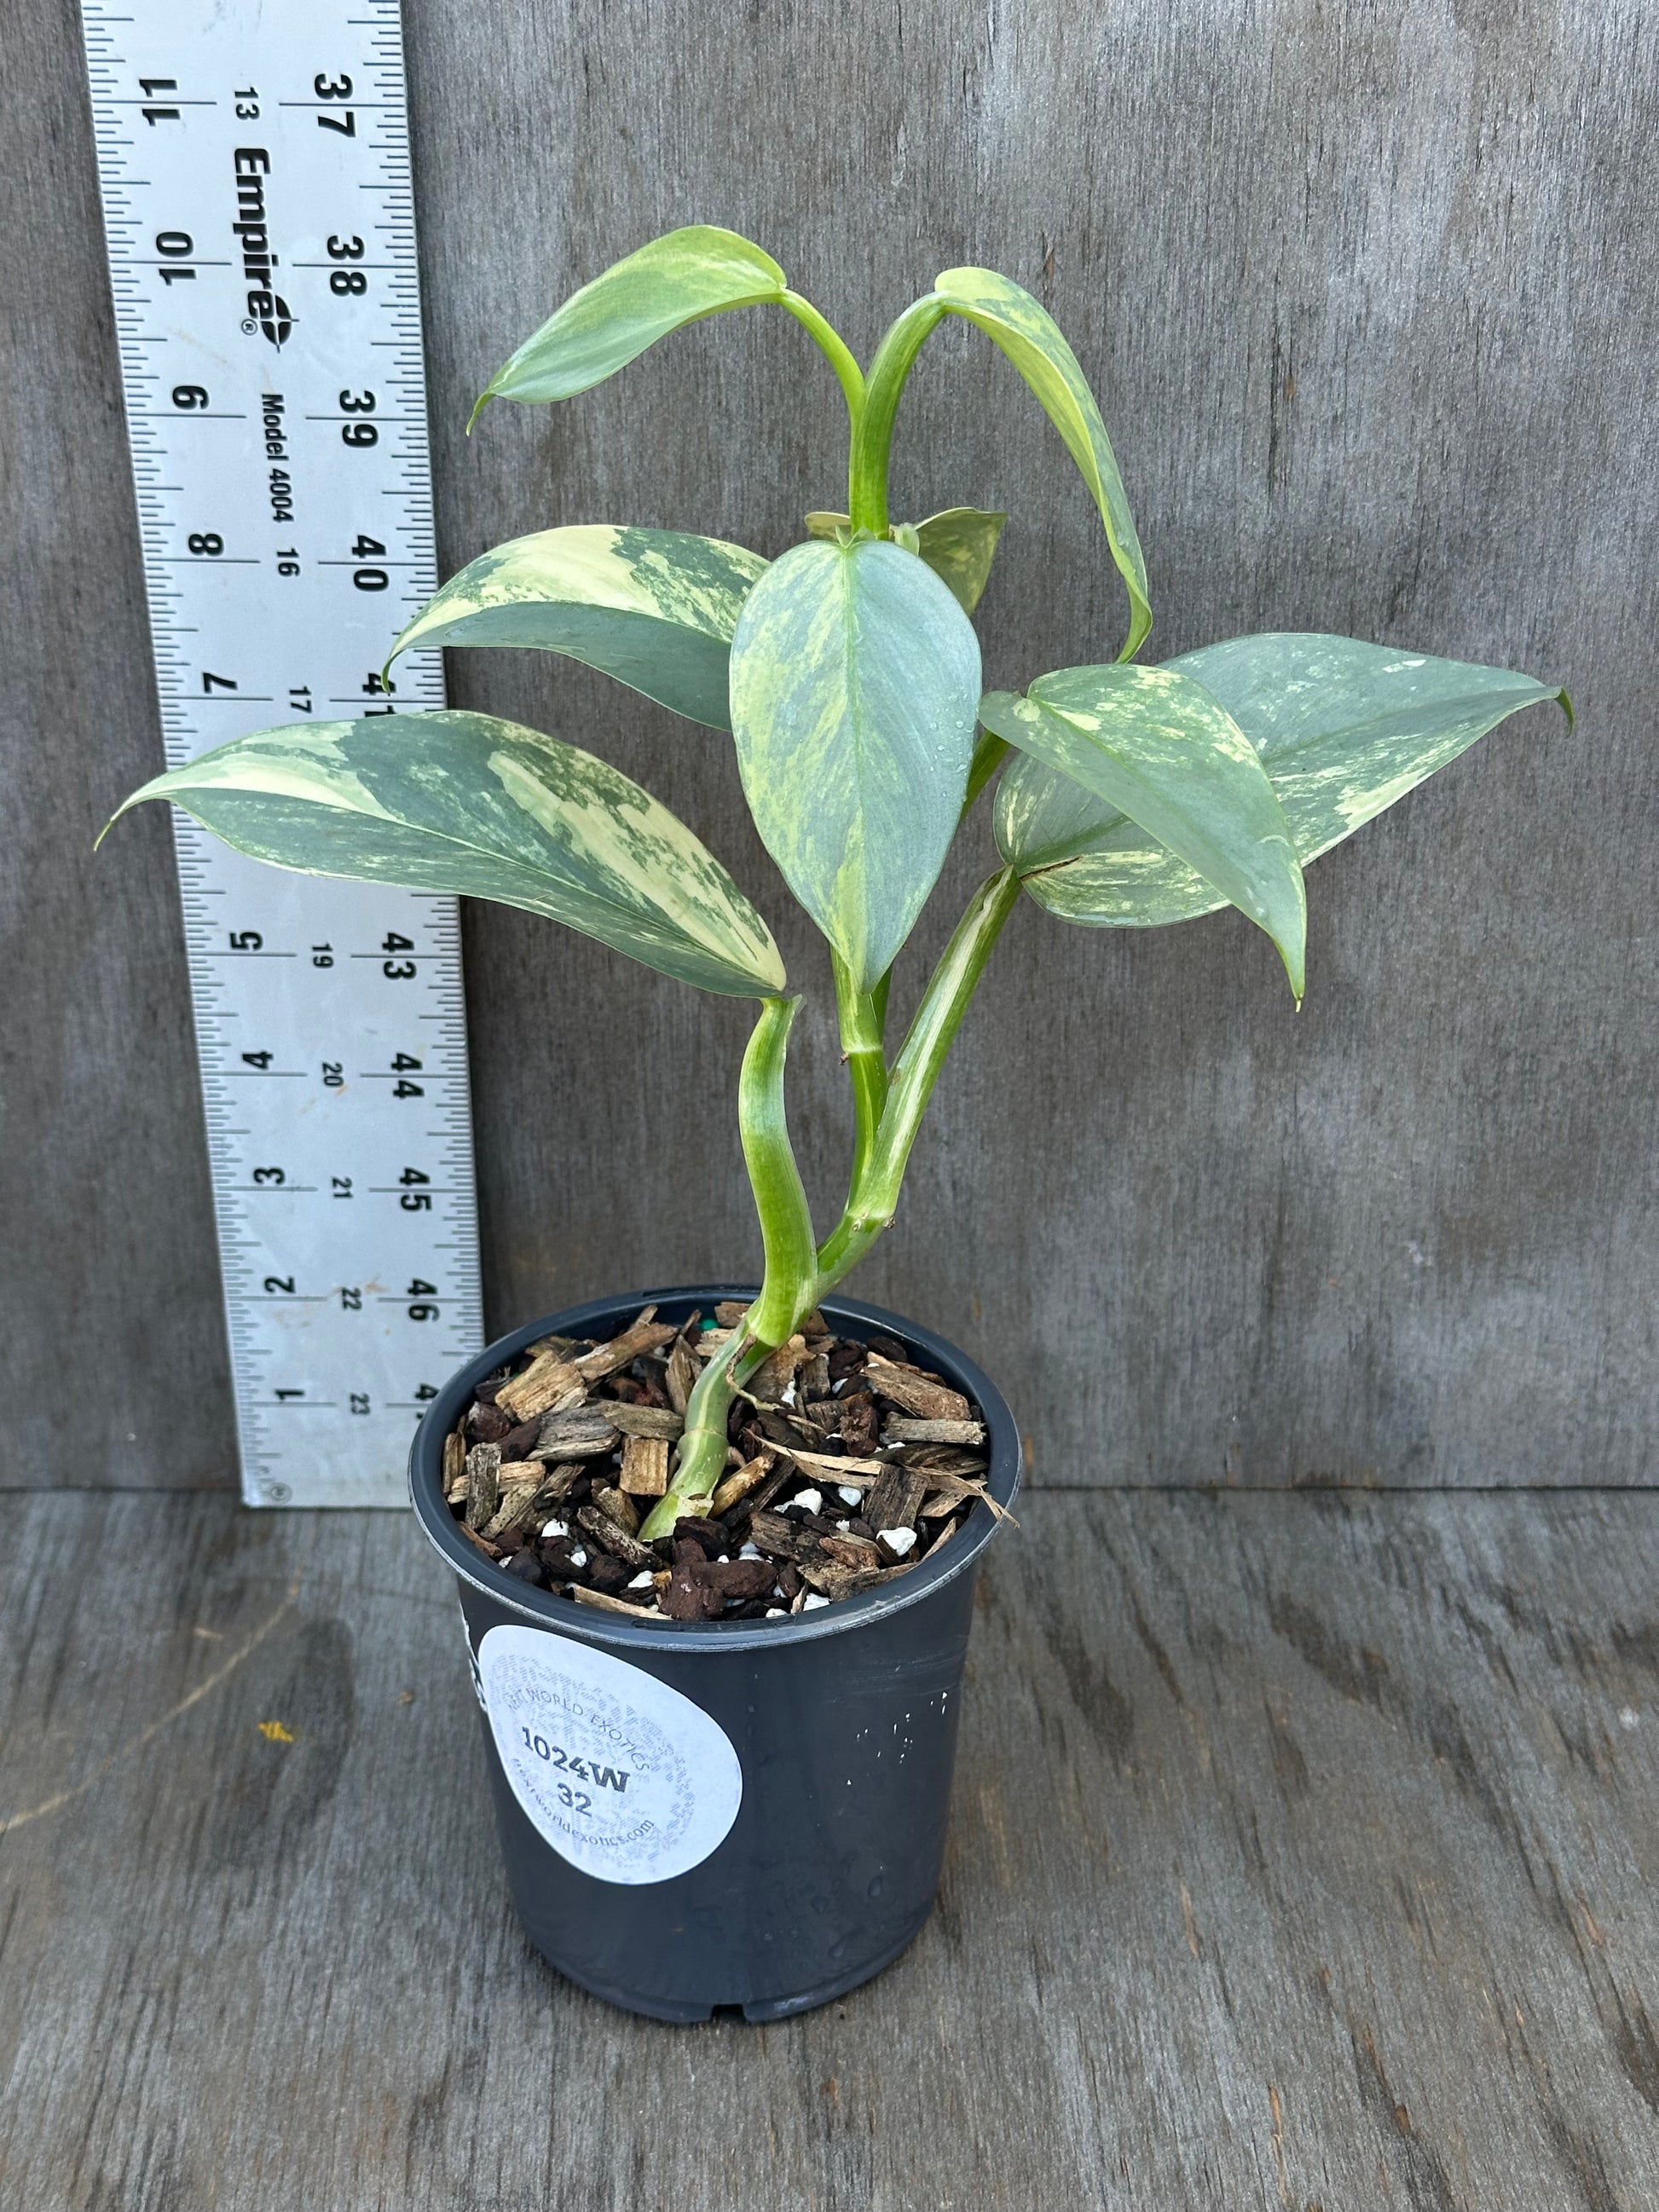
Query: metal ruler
[{"x": 253, "y": 159}]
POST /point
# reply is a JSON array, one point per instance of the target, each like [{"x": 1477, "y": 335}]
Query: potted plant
[{"x": 716, "y": 1547}]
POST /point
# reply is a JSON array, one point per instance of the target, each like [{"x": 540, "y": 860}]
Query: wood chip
[
  {"x": 896, "y": 1499},
  {"x": 857, "y": 1419},
  {"x": 645, "y": 1466},
  {"x": 861, "y": 1472},
  {"x": 643, "y": 1336},
  {"x": 543, "y": 1382},
  {"x": 774, "y": 1375},
  {"x": 681, "y": 1376},
  {"x": 729, "y": 1313},
  {"x": 583, "y": 1596},
  {"x": 773, "y": 1533},
  {"x": 934, "y": 1432},
  {"x": 851, "y": 1551},
  {"x": 740, "y": 1484},
  {"x": 917, "y": 1392},
  {"x": 738, "y": 1578},
  {"x": 486, "y": 1424},
  {"x": 576, "y": 1432},
  {"x": 619, "y": 1507},
  {"x": 564, "y": 1346},
  {"x": 484, "y": 1464},
  {"x": 517, "y": 1501},
  {"x": 560, "y": 1481},
  {"x": 642, "y": 1420},
  {"x": 454, "y": 1468},
  {"x": 932, "y": 1460},
  {"x": 832, "y": 1580},
  {"x": 814, "y": 1377},
  {"x": 491, "y": 1550},
  {"x": 610, "y": 1538}
]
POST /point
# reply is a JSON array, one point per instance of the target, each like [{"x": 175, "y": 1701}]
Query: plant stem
[
  {"x": 872, "y": 429},
  {"x": 834, "y": 347},
  {"x": 785, "y": 1219},
  {"x": 989, "y": 755},
  {"x": 839, "y": 354},
  {"x": 797, "y": 1275},
  {"x": 873, "y": 1198},
  {"x": 861, "y": 1018},
  {"x": 790, "y": 1286}
]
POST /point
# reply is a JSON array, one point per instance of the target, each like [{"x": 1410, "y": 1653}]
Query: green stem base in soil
[{"x": 798, "y": 1274}]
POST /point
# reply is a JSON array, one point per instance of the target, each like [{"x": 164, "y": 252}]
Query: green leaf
[
  {"x": 1343, "y": 728},
  {"x": 655, "y": 608},
  {"x": 675, "y": 280},
  {"x": 467, "y": 804},
  {"x": 854, "y": 679},
  {"x": 958, "y": 544},
  {"x": 1033, "y": 341},
  {"x": 1159, "y": 747}
]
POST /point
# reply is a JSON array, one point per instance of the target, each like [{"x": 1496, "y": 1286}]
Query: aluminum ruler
[{"x": 253, "y": 160}]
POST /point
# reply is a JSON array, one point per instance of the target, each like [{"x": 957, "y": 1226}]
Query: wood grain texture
[
  {"x": 1369, "y": 298},
  {"x": 1304, "y": 1852},
  {"x": 104, "y": 1195}
]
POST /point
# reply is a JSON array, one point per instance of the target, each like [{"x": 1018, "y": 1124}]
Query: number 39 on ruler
[{"x": 254, "y": 168}]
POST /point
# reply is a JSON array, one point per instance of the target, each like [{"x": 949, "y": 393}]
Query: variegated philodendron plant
[{"x": 848, "y": 672}]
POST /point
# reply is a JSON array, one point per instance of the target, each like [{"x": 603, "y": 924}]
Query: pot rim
[{"x": 591, "y": 1624}]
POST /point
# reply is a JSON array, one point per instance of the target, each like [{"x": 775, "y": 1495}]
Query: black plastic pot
[{"x": 720, "y": 1816}]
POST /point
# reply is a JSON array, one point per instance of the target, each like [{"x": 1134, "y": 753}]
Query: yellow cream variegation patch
[
  {"x": 487, "y": 809},
  {"x": 1343, "y": 729},
  {"x": 656, "y": 609}
]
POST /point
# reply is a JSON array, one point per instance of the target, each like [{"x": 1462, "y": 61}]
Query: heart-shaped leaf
[
  {"x": 1343, "y": 728},
  {"x": 467, "y": 804},
  {"x": 958, "y": 544},
  {"x": 675, "y": 280},
  {"x": 854, "y": 679},
  {"x": 1034, "y": 342},
  {"x": 1156, "y": 746},
  {"x": 655, "y": 608}
]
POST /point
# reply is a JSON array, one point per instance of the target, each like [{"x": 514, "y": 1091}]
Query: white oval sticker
[{"x": 625, "y": 1777}]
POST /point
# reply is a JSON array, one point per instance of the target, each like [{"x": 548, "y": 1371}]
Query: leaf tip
[
  {"x": 478, "y": 406},
  {"x": 1567, "y": 708}
]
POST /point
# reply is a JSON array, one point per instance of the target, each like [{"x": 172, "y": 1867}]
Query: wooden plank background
[
  {"x": 1369, "y": 293},
  {"x": 1302, "y": 1855}
]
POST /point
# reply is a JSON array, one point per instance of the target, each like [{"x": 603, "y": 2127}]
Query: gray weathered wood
[
  {"x": 1370, "y": 301},
  {"x": 1303, "y": 1853}
]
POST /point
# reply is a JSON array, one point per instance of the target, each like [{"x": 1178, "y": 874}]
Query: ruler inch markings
[{"x": 342, "y": 1173}]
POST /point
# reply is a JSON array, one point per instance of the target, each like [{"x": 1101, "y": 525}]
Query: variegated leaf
[
  {"x": 655, "y": 608},
  {"x": 854, "y": 679},
  {"x": 1343, "y": 728},
  {"x": 467, "y": 804},
  {"x": 1034, "y": 342},
  {"x": 675, "y": 280},
  {"x": 1157, "y": 746},
  {"x": 958, "y": 544}
]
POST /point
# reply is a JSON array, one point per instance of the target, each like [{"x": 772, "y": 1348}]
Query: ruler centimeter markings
[{"x": 253, "y": 162}]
